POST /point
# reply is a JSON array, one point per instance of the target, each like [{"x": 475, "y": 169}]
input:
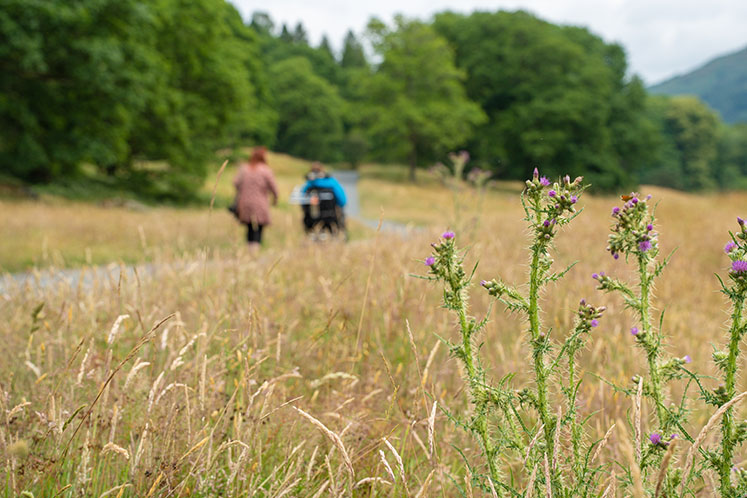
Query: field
[{"x": 221, "y": 373}]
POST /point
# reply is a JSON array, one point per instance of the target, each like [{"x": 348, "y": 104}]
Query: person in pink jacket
[{"x": 255, "y": 184}]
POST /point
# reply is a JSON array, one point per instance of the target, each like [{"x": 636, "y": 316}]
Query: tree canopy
[
  {"x": 554, "y": 96},
  {"x": 116, "y": 83},
  {"x": 418, "y": 110},
  {"x": 145, "y": 93},
  {"x": 309, "y": 109}
]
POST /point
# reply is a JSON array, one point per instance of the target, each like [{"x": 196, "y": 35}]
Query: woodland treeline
[{"x": 145, "y": 92}]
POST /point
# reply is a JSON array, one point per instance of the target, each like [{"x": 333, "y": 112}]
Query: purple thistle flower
[
  {"x": 595, "y": 276},
  {"x": 616, "y": 255},
  {"x": 655, "y": 438},
  {"x": 649, "y": 227},
  {"x": 546, "y": 223},
  {"x": 687, "y": 358},
  {"x": 536, "y": 173},
  {"x": 648, "y": 197},
  {"x": 544, "y": 181},
  {"x": 674, "y": 436},
  {"x": 574, "y": 199},
  {"x": 567, "y": 179},
  {"x": 739, "y": 266},
  {"x": 634, "y": 200},
  {"x": 594, "y": 322},
  {"x": 634, "y": 330},
  {"x": 740, "y": 221},
  {"x": 615, "y": 211},
  {"x": 483, "y": 282},
  {"x": 644, "y": 245},
  {"x": 729, "y": 247},
  {"x": 552, "y": 193},
  {"x": 447, "y": 235},
  {"x": 429, "y": 261}
]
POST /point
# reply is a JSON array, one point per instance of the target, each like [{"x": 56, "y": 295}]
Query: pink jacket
[{"x": 253, "y": 185}]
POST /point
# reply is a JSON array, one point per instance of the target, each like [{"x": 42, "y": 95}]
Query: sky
[{"x": 663, "y": 38}]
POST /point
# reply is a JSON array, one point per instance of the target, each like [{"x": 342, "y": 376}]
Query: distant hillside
[{"x": 722, "y": 83}]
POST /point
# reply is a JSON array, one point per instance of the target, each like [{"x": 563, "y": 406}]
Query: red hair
[{"x": 258, "y": 155}]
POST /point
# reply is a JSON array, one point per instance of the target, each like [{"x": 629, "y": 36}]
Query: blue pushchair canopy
[{"x": 320, "y": 210}]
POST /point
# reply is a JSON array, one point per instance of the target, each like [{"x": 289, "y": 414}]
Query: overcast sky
[{"x": 663, "y": 38}]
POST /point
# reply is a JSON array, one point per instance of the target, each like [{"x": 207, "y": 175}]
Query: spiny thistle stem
[
  {"x": 446, "y": 265},
  {"x": 728, "y": 441},
  {"x": 548, "y": 210},
  {"x": 587, "y": 319},
  {"x": 573, "y": 417},
  {"x": 654, "y": 338},
  {"x": 731, "y": 436},
  {"x": 633, "y": 235},
  {"x": 479, "y": 396},
  {"x": 540, "y": 370}
]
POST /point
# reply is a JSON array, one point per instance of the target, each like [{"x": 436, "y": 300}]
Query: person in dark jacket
[{"x": 332, "y": 215}]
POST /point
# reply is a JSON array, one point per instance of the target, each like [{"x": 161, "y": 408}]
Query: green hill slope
[{"x": 722, "y": 83}]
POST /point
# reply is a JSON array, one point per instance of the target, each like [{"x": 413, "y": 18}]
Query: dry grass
[
  {"x": 59, "y": 233},
  {"x": 206, "y": 405}
]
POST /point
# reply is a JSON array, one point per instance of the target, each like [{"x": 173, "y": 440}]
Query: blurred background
[{"x": 140, "y": 99}]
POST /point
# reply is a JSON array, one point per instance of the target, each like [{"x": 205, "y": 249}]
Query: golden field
[{"x": 291, "y": 372}]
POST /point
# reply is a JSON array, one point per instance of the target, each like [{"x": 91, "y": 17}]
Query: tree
[
  {"x": 556, "y": 97},
  {"x": 143, "y": 91},
  {"x": 686, "y": 152},
  {"x": 262, "y": 23},
  {"x": 418, "y": 110},
  {"x": 325, "y": 48},
  {"x": 731, "y": 160},
  {"x": 309, "y": 111},
  {"x": 72, "y": 81},
  {"x": 354, "y": 148},
  {"x": 663, "y": 165},
  {"x": 352, "y": 53},
  {"x": 693, "y": 127},
  {"x": 285, "y": 46},
  {"x": 286, "y": 35},
  {"x": 299, "y": 35},
  {"x": 202, "y": 98}
]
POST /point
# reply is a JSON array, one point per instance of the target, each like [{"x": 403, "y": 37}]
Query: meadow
[{"x": 311, "y": 369}]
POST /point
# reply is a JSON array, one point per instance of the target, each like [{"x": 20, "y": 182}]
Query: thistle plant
[
  {"x": 633, "y": 236},
  {"x": 502, "y": 417},
  {"x": 732, "y": 434},
  {"x": 453, "y": 177},
  {"x": 547, "y": 208},
  {"x": 446, "y": 265}
]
